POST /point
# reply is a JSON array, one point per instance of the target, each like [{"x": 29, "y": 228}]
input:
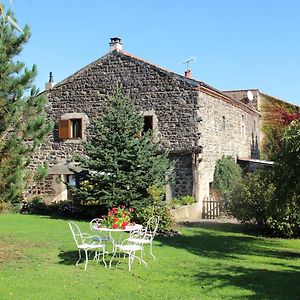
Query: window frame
[{"x": 66, "y": 127}]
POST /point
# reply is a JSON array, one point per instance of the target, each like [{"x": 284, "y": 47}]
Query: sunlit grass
[{"x": 209, "y": 261}]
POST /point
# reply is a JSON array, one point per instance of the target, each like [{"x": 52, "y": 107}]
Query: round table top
[{"x": 127, "y": 228}]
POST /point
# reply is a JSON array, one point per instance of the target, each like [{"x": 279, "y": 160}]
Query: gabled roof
[{"x": 197, "y": 84}]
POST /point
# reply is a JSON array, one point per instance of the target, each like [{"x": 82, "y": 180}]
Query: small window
[
  {"x": 70, "y": 129},
  {"x": 148, "y": 123},
  {"x": 76, "y": 128},
  {"x": 243, "y": 129},
  {"x": 72, "y": 180},
  {"x": 223, "y": 123}
]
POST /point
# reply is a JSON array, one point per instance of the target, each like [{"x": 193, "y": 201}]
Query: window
[
  {"x": 70, "y": 129},
  {"x": 72, "y": 180},
  {"x": 76, "y": 128},
  {"x": 223, "y": 123},
  {"x": 148, "y": 123},
  {"x": 243, "y": 127}
]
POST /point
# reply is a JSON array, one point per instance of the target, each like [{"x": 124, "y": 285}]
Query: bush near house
[
  {"x": 226, "y": 176},
  {"x": 184, "y": 200},
  {"x": 272, "y": 198}
]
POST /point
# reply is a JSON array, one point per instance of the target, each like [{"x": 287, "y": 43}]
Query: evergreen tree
[
  {"x": 122, "y": 160},
  {"x": 23, "y": 124}
]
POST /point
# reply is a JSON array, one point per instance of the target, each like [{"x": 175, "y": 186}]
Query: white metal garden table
[{"x": 127, "y": 249}]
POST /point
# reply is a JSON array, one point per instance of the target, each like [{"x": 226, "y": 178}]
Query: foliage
[
  {"x": 166, "y": 222},
  {"x": 184, "y": 200},
  {"x": 227, "y": 174},
  {"x": 272, "y": 198},
  {"x": 254, "y": 201},
  {"x": 37, "y": 206},
  {"x": 155, "y": 207},
  {"x": 287, "y": 167},
  {"x": 23, "y": 124},
  {"x": 63, "y": 208},
  {"x": 252, "y": 198},
  {"x": 278, "y": 115},
  {"x": 122, "y": 164}
]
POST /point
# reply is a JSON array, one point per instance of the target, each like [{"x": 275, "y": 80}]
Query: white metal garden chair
[
  {"x": 130, "y": 249},
  {"x": 103, "y": 238},
  {"x": 86, "y": 242},
  {"x": 145, "y": 236}
]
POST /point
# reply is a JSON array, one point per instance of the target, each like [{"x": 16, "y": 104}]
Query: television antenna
[{"x": 189, "y": 60}]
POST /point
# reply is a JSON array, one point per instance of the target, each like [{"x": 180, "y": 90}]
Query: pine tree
[
  {"x": 122, "y": 161},
  {"x": 23, "y": 124}
]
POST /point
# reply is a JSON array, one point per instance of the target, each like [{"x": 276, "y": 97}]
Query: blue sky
[{"x": 238, "y": 44}]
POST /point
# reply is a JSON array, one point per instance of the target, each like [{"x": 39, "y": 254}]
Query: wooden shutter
[{"x": 64, "y": 129}]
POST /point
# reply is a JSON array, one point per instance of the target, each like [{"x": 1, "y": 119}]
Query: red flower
[
  {"x": 115, "y": 226},
  {"x": 115, "y": 220},
  {"x": 124, "y": 214},
  {"x": 124, "y": 224},
  {"x": 114, "y": 210}
]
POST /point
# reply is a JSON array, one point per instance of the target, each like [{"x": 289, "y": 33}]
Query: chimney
[
  {"x": 187, "y": 73},
  {"x": 50, "y": 84},
  {"x": 115, "y": 44}
]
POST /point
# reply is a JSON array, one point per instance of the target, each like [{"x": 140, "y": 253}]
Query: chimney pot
[
  {"x": 50, "y": 84},
  {"x": 187, "y": 73},
  {"x": 115, "y": 44}
]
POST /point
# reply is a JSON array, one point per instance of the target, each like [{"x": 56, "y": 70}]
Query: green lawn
[{"x": 209, "y": 261}]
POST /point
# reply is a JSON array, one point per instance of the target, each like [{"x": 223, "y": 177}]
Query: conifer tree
[
  {"x": 122, "y": 160},
  {"x": 23, "y": 124}
]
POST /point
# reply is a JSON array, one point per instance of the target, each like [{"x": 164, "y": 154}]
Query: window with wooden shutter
[
  {"x": 64, "y": 130},
  {"x": 76, "y": 128}
]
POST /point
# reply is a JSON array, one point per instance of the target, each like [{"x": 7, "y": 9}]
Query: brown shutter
[{"x": 64, "y": 129}]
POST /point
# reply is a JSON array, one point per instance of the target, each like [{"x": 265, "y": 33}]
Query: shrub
[
  {"x": 166, "y": 222},
  {"x": 64, "y": 208},
  {"x": 251, "y": 199},
  {"x": 37, "y": 206},
  {"x": 156, "y": 207},
  {"x": 226, "y": 176},
  {"x": 184, "y": 200},
  {"x": 254, "y": 201}
]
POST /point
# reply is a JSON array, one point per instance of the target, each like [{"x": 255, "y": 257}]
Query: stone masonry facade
[{"x": 196, "y": 123}]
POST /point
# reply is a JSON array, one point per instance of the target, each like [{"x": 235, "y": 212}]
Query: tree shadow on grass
[
  {"x": 261, "y": 283},
  {"x": 268, "y": 268},
  {"x": 224, "y": 227},
  {"x": 214, "y": 243}
]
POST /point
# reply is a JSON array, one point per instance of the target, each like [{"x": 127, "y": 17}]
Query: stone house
[{"x": 197, "y": 123}]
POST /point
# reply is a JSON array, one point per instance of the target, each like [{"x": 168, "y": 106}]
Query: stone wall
[
  {"x": 225, "y": 129},
  {"x": 183, "y": 175}
]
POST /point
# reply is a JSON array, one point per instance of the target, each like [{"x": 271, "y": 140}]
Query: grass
[{"x": 209, "y": 261}]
